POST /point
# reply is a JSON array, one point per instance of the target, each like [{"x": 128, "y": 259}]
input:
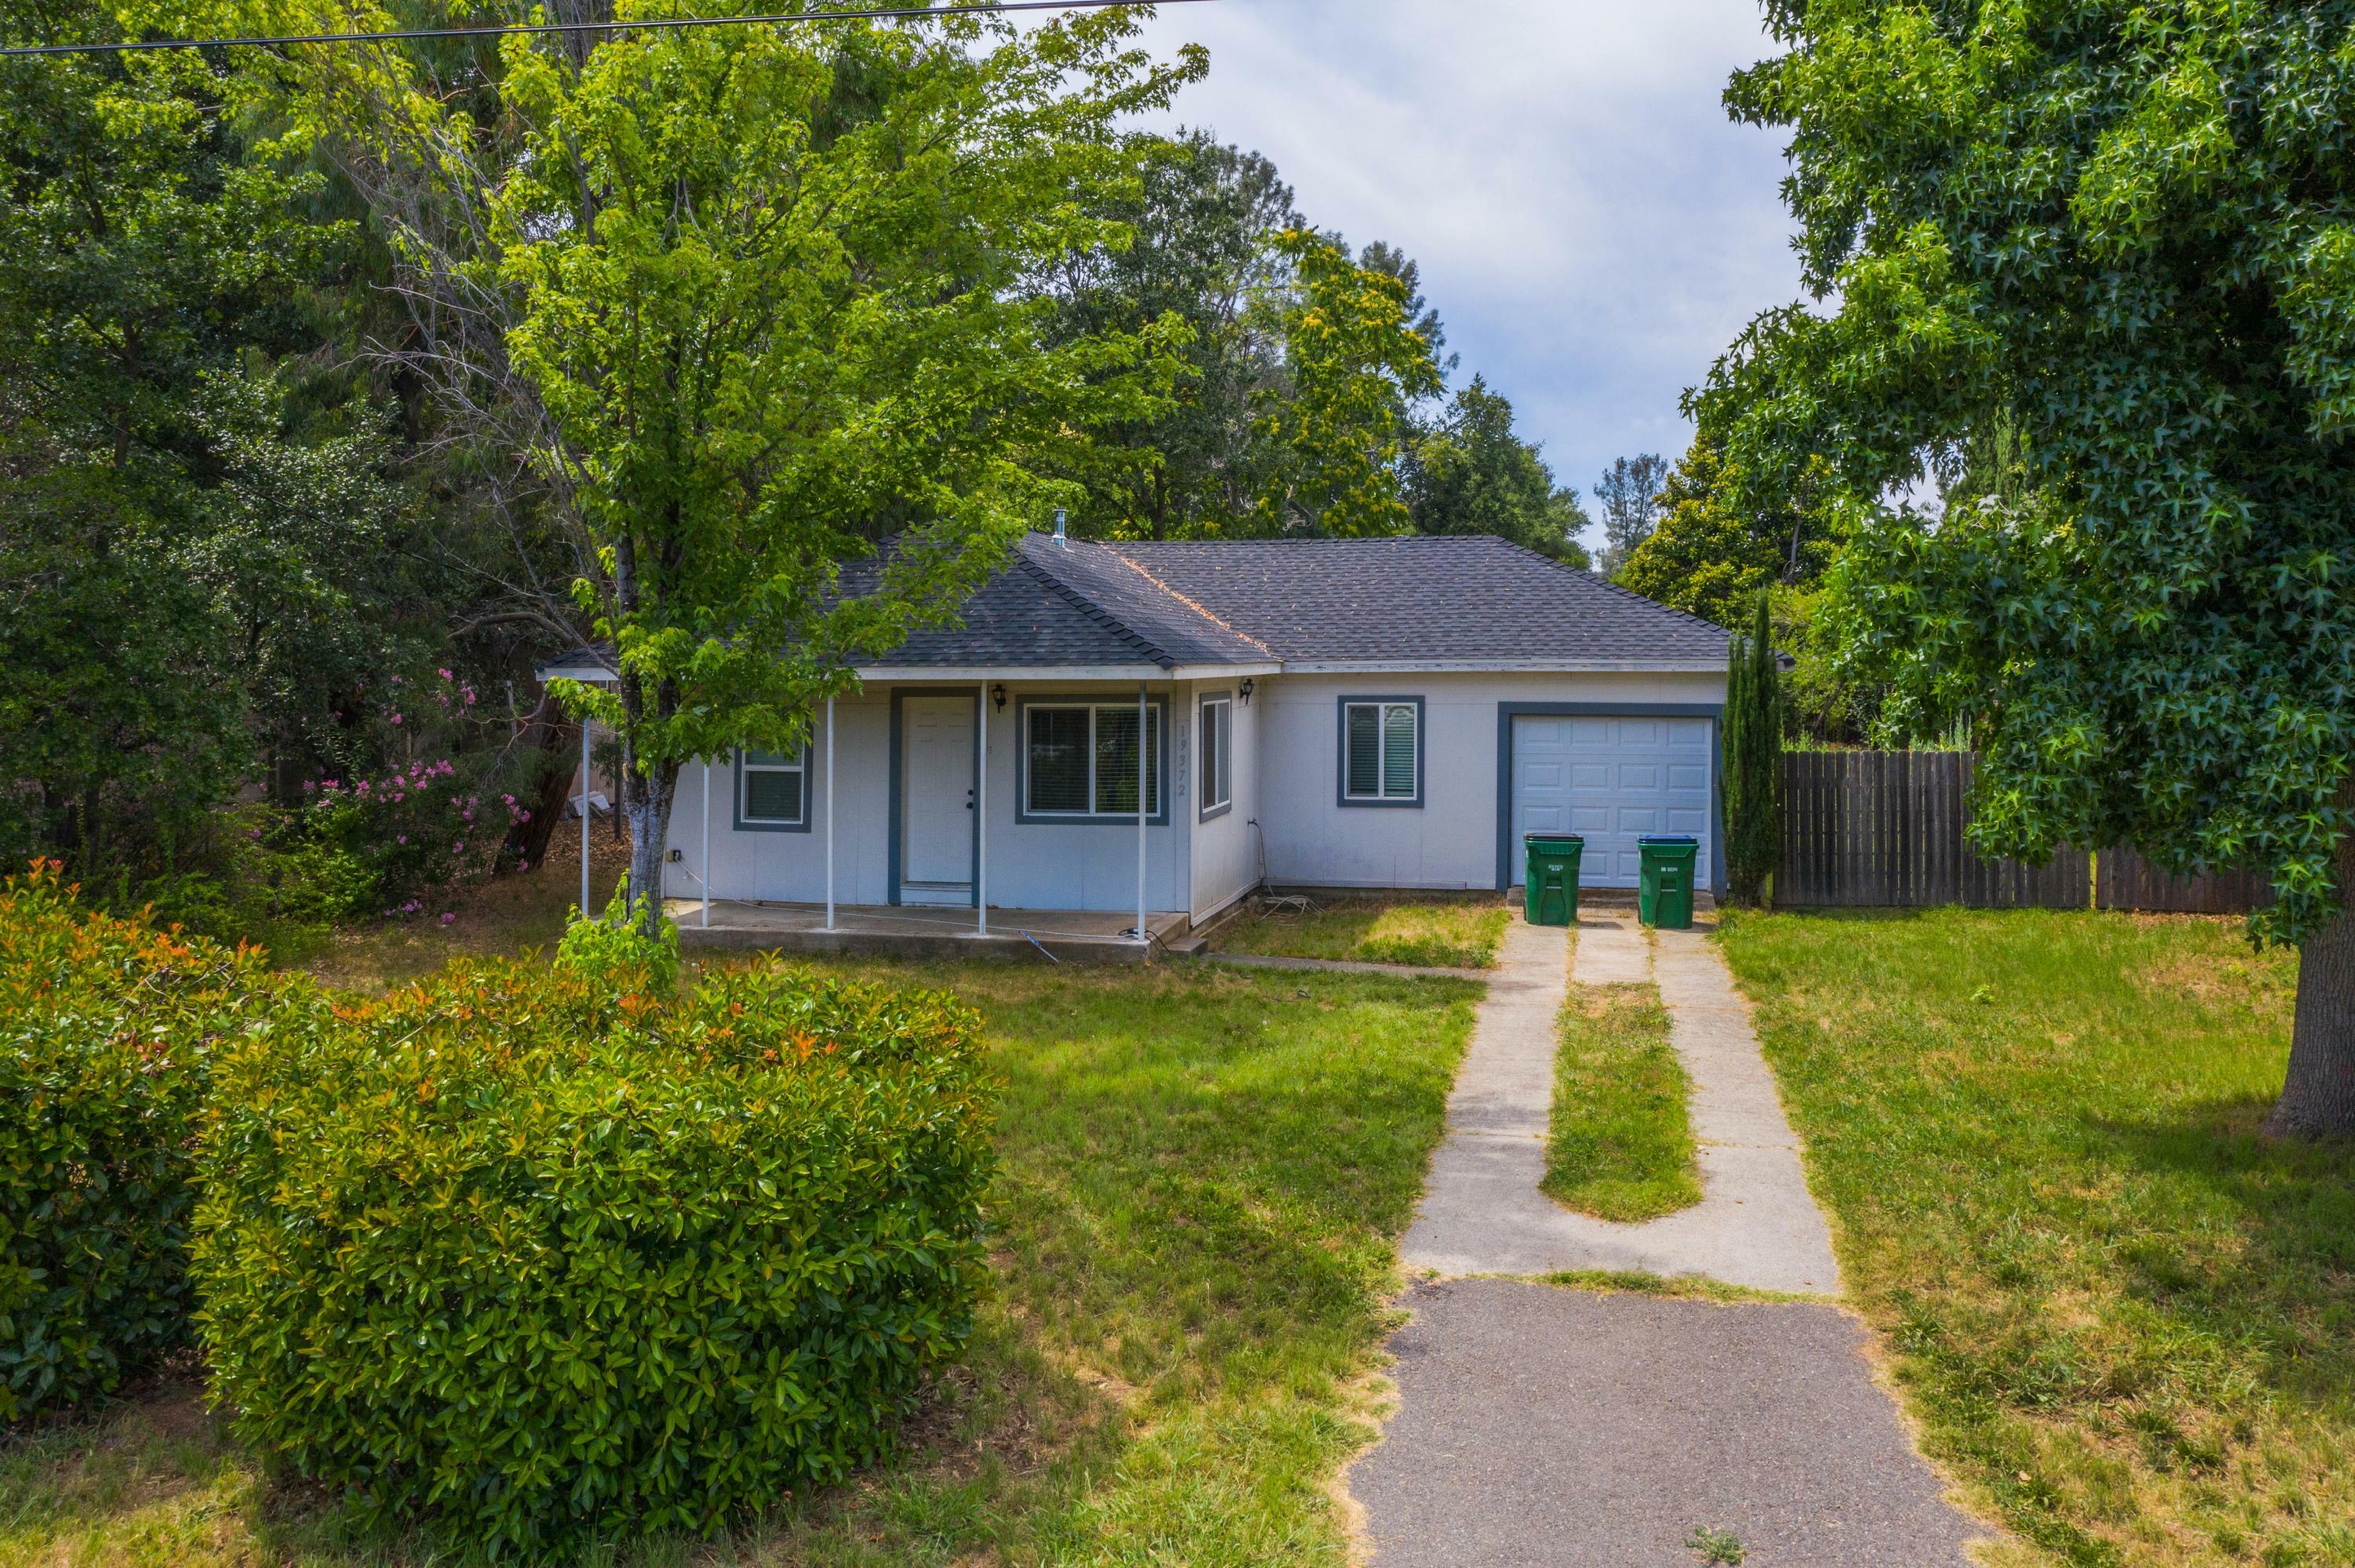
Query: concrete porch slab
[{"x": 915, "y": 931}]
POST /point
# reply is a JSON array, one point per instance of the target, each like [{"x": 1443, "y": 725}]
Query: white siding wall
[
  {"x": 1450, "y": 840},
  {"x": 1226, "y": 848},
  {"x": 1046, "y": 865},
  {"x": 790, "y": 868},
  {"x": 1284, "y": 775},
  {"x": 1085, "y": 865}
]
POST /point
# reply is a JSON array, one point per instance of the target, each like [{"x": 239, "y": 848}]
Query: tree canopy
[
  {"x": 759, "y": 301},
  {"x": 1310, "y": 395},
  {"x": 1469, "y": 473},
  {"x": 1710, "y": 558},
  {"x": 359, "y": 368},
  {"x": 2120, "y": 240},
  {"x": 1629, "y": 493},
  {"x": 168, "y": 443}
]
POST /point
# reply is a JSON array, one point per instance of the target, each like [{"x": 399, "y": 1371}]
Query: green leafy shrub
[
  {"x": 556, "y": 1262},
  {"x": 107, "y": 1028},
  {"x": 614, "y": 952},
  {"x": 248, "y": 874}
]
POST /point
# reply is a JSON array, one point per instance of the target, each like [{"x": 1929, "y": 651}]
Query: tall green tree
[
  {"x": 1467, "y": 472},
  {"x": 1196, "y": 239},
  {"x": 1711, "y": 556},
  {"x": 1212, "y": 237},
  {"x": 1422, "y": 315},
  {"x": 1629, "y": 493},
  {"x": 1753, "y": 761},
  {"x": 1358, "y": 362},
  {"x": 2126, "y": 236},
  {"x": 196, "y": 554},
  {"x": 759, "y": 299}
]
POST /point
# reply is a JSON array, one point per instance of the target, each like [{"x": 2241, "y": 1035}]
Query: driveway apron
[{"x": 1538, "y": 1424}]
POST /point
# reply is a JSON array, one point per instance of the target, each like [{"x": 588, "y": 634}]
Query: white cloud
[{"x": 1591, "y": 226}]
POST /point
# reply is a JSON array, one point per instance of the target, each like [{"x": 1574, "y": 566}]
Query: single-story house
[{"x": 1382, "y": 712}]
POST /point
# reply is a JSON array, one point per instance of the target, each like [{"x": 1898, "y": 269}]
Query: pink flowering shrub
[{"x": 414, "y": 806}]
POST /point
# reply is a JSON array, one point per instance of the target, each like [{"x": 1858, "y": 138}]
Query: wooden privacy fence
[{"x": 1885, "y": 828}]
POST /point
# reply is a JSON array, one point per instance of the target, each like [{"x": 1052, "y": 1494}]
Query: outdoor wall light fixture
[
  {"x": 997, "y": 695},
  {"x": 1246, "y": 689}
]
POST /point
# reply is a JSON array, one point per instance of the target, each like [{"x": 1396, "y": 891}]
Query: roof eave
[
  {"x": 594, "y": 674},
  {"x": 1504, "y": 666},
  {"x": 902, "y": 674}
]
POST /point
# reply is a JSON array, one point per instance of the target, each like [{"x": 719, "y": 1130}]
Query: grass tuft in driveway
[{"x": 1621, "y": 1146}]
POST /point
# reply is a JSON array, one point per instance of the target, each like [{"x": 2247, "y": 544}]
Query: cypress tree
[{"x": 1754, "y": 750}]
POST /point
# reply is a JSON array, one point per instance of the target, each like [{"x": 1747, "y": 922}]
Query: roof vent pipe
[{"x": 1058, "y": 529}]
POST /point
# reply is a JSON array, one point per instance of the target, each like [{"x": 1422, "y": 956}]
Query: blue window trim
[
  {"x": 736, "y": 797},
  {"x": 1022, "y": 812},
  {"x": 1202, "y": 701},
  {"x": 895, "y": 790},
  {"x": 1341, "y": 795},
  {"x": 1507, "y": 712}
]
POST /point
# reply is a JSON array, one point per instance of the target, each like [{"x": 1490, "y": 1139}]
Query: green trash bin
[
  {"x": 1665, "y": 882},
  {"x": 1550, "y": 877}
]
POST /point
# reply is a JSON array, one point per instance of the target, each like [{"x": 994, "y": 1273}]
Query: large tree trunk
[
  {"x": 2318, "y": 1098},
  {"x": 557, "y": 745},
  {"x": 650, "y": 796}
]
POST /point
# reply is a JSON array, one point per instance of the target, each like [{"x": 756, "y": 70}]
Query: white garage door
[{"x": 1611, "y": 780}]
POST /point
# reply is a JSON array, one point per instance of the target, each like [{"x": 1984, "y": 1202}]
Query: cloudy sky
[{"x": 1592, "y": 228}]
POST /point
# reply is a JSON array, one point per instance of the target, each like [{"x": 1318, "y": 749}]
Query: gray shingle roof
[
  {"x": 1168, "y": 629},
  {"x": 1468, "y": 601},
  {"x": 1020, "y": 616},
  {"x": 1471, "y": 600}
]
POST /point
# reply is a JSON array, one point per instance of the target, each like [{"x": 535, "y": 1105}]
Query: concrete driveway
[{"x": 1542, "y": 1426}]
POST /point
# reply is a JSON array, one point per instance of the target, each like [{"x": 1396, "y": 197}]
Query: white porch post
[
  {"x": 829, "y": 814},
  {"x": 703, "y": 873},
  {"x": 586, "y": 913},
  {"x": 981, "y": 814},
  {"x": 1144, "y": 755}
]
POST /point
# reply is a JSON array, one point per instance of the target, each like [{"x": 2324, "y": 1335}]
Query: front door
[{"x": 936, "y": 791}]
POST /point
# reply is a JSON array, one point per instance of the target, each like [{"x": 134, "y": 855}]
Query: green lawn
[
  {"x": 1204, "y": 1173},
  {"x": 2124, "y": 1321},
  {"x": 1621, "y": 1146},
  {"x": 1456, "y": 934}
]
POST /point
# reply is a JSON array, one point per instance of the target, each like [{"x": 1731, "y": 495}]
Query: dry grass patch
[
  {"x": 502, "y": 918},
  {"x": 1447, "y": 934}
]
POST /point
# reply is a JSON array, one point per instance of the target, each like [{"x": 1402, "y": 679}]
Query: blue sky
[{"x": 1592, "y": 228}]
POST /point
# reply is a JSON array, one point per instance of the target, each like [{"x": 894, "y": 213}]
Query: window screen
[
  {"x": 1058, "y": 761},
  {"x": 1116, "y": 761},
  {"x": 1218, "y": 731},
  {"x": 1379, "y": 749},
  {"x": 1080, "y": 759},
  {"x": 775, "y": 787},
  {"x": 1398, "y": 752}
]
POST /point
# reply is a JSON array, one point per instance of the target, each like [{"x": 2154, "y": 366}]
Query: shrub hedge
[
  {"x": 556, "y": 1263},
  {"x": 107, "y": 1027}
]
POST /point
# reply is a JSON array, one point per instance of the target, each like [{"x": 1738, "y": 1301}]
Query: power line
[{"x": 902, "y": 13}]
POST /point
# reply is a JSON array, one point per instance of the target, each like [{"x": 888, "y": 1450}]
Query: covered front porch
[{"x": 1062, "y": 936}]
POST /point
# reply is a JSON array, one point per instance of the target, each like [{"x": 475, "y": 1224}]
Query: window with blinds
[
  {"x": 772, "y": 789},
  {"x": 1381, "y": 751},
  {"x": 1218, "y": 740},
  {"x": 1080, "y": 759}
]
